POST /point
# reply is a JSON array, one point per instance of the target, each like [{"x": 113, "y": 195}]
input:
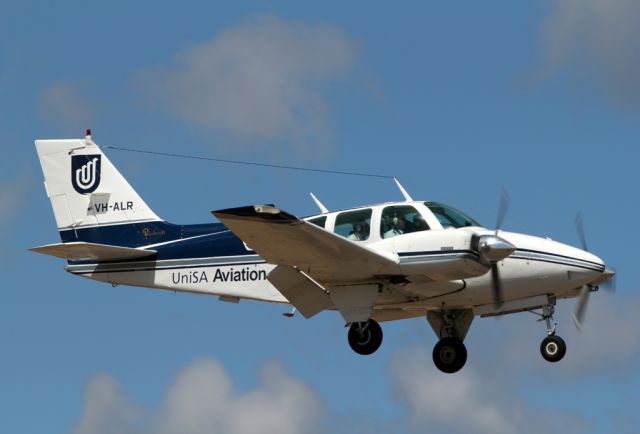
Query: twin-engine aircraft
[{"x": 372, "y": 264}]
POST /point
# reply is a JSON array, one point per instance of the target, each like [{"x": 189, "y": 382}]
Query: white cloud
[
  {"x": 499, "y": 388},
  {"x": 470, "y": 401},
  {"x": 203, "y": 399},
  {"x": 108, "y": 410},
  {"x": 492, "y": 394},
  {"x": 63, "y": 103},
  {"x": 596, "y": 37},
  {"x": 257, "y": 82}
]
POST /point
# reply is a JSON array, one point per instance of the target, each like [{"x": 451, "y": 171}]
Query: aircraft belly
[
  {"x": 435, "y": 289},
  {"x": 236, "y": 281}
]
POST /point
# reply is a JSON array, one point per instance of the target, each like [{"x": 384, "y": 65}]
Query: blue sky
[{"x": 540, "y": 97}]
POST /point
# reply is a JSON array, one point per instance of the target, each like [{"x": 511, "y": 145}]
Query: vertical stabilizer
[{"x": 85, "y": 188}]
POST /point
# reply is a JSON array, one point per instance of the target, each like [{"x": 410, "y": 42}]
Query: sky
[{"x": 541, "y": 98}]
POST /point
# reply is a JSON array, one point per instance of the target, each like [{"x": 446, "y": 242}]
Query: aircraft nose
[
  {"x": 608, "y": 275},
  {"x": 595, "y": 271},
  {"x": 580, "y": 266}
]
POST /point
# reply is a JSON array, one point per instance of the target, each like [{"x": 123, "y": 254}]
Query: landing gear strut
[
  {"x": 365, "y": 337},
  {"x": 552, "y": 348}
]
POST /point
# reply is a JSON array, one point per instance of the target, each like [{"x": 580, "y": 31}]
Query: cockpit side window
[
  {"x": 401, "y": 219},
  {"x": 354, "y": 225},
  {"x": 450, "y": 217},
  {"x": 319, "y": 221}
]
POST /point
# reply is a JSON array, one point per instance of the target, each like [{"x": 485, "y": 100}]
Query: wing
[
  {"x": 81, "y": 251},
  {"x": 283, "y": 239}
]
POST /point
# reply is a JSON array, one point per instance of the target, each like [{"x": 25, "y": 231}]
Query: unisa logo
[{"x": 85, "y": 173}]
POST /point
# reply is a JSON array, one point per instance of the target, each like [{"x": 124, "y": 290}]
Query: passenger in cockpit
[
  {"x": 397, "y": 226},
  {"x": 419, "y": 224}
]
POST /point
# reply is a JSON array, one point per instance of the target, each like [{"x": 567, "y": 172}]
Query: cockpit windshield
[{"x": 450, "y": 217}]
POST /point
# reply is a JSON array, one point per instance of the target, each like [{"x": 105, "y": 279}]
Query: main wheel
[
  {"x": 449, "y": 355},
  {"x": 365, "y": 337},
  {"x": 553, "y": 348}
]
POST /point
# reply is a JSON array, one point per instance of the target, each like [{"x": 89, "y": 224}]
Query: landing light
[{"x": 266, "y": 209}]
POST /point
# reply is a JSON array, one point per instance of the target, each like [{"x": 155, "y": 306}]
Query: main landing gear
[
  {"x": 449, "y": 355},
  {"x": 552, "y": 348},
  {"x": 451, "y": 326},
  {"x": 365, "y": 337}
]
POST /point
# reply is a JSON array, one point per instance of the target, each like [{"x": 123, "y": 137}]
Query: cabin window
[
  {"x": 450, "y": 217},
  {"x": 319, "y": 221},
  {"x": 354, "y": 225},
  {"x": 401, "y": 219}
]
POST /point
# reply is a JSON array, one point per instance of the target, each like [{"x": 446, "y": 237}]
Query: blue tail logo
[{"x": 85, "y": 173}]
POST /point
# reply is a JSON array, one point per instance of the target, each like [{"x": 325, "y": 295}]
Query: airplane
[{"x": 372, "y": 264}]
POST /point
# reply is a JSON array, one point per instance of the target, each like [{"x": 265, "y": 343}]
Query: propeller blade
[
  {"x": 581, "y": 234},
  {"x": 581, "y": 307},
  {"x": 497, "y": 286},
  {"x": 496, "y": 283},
  {"x": 502, "y": 209}
]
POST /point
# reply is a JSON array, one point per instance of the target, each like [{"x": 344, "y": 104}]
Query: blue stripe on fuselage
[{"x": 181, "y": 241}]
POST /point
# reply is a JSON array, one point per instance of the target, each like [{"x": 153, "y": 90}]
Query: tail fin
[{"x": 85, "y": 188}]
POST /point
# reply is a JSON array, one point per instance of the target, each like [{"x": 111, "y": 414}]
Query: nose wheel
[
  {"x": 365, "y": 337},
  {"x": 553, "y": 347}
]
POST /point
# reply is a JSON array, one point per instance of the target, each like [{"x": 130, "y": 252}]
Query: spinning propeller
[
  {"x": 493, "y": 249},
  {"x": 495, "y": 274},
  {"x": 583, "y": 299}
]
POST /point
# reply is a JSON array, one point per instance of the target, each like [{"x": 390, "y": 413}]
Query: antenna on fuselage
[
  {"x": 403, "y": 191},
  {"x": 323, "y": 208}
]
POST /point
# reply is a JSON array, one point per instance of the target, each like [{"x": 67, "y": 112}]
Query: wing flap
[
  {"x": 283, "y": 239},
  {"x": 81, "y": 251},
  {"x": 302, "y": 292}
]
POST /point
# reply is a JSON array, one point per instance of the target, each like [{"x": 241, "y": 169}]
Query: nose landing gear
[{"x": 552, "y": 348}]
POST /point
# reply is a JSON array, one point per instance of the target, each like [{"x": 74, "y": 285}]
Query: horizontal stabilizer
[{"x": 81, "y": 251}]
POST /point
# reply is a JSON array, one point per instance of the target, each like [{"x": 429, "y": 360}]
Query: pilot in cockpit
[{"x": 359, "y": 232}]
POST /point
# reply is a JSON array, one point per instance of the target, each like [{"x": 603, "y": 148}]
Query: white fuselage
[{"x": 539, "y": 266}]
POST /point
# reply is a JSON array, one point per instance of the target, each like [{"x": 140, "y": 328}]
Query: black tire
[
  {"x": 553, "y": 348},
  {"x": 449, "y": 355},
  {"x": 365, "y": 338}
]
